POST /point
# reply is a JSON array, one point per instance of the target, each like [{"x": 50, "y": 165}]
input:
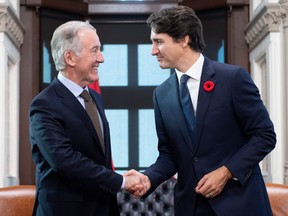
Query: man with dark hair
[{"x": 212, "y": 126}]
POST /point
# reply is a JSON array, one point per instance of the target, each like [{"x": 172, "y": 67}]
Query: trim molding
[
  {"x": 11, "y": 25},
  {"x": 122, "y": 7},
  {"x": 284, "y": 7},
  {"x": 266, "y": 21}
]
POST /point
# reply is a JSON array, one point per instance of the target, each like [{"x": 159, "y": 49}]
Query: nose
[
  {"x": 100, "y": 57},
  {"x": 154, "y": 50}
]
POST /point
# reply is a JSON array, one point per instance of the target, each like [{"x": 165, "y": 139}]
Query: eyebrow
[
  {"x": 156, "y": 39},
  {"x": 96, "y": 47}
]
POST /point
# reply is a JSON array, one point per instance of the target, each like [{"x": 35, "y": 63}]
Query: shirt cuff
[{"x": 123, "y": 183}]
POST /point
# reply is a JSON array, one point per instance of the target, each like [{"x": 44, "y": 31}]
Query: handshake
[{"x": 136, "y": 183}]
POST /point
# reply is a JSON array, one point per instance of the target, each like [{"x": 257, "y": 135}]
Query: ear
[
  {"x": 69, "y": 58},
  {"x": 185, "y": 41}
]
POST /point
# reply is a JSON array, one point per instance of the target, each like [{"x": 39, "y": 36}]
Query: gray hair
[{"x": 65, "y": 38}]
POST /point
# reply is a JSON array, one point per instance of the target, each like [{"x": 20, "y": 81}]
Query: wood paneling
[
  {"x": 237, "y": 48},
  {"x": 29, "y": 87},
  {"x": 72, "y": 6},
  {"x": 213, "y": 4}
]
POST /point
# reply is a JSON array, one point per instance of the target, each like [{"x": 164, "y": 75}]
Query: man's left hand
[{"x": 212, "y": 184}]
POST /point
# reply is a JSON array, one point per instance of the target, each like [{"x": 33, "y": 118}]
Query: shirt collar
[
  {"x": 74, "y": 88},
  {"x": 194, "y": 71}
]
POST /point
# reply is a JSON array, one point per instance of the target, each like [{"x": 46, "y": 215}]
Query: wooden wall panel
[
  {"x": 29, "y": 87},
  {"x": 237, "y": 48}
]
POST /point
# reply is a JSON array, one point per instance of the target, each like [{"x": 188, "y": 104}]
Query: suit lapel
[
  {"x": 204, "y": 99},
  {"x": 71, "y": 102}
]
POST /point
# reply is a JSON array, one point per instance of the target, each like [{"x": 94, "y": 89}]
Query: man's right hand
[{"x": 138, "y": 184}]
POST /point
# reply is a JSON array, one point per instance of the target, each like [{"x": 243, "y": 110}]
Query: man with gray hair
[{"x": 69, "y": 132}]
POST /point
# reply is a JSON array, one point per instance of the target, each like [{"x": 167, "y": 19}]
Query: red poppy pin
[{"x": 208, "y": 86}]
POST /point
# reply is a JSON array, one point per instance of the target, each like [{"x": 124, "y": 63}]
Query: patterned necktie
[
  {"x": 186, "y": 104},
  {"x": 91, "y": 110}
]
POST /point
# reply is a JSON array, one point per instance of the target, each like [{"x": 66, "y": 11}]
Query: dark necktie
[
  {"x": 91, "y": 109},
  {"x": 186, "y": 104}
]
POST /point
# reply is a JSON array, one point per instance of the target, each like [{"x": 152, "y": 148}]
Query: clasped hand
[
  {"x": 136, "y": 183},
  {"x": 212, "y": 184}
]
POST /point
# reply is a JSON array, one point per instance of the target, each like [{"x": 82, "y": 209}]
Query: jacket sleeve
[{"x": 255, "y": 123}]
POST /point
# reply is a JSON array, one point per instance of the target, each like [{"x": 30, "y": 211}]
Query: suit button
[{"x": 196, "y": 159}]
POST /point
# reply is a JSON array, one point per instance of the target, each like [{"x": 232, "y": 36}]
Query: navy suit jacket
[
  {"x": 73, "y": 175},
  {"x": 233, "y": 128}
]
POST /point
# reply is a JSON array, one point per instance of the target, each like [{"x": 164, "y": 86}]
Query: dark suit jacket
[
  {"x": 233, "y": 128},
  {"x": 73, "y": 175}
]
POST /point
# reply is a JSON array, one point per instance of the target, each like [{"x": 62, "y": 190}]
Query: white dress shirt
[{"x": 194, "y": 72}]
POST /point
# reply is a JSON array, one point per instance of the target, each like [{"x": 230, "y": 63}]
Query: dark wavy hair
[{"x": 178, "y": 22}]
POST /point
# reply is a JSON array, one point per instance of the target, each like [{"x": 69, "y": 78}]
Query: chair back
[
  {"x": 17, "y": 200},
  {"x": 278, "y": 196}
]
